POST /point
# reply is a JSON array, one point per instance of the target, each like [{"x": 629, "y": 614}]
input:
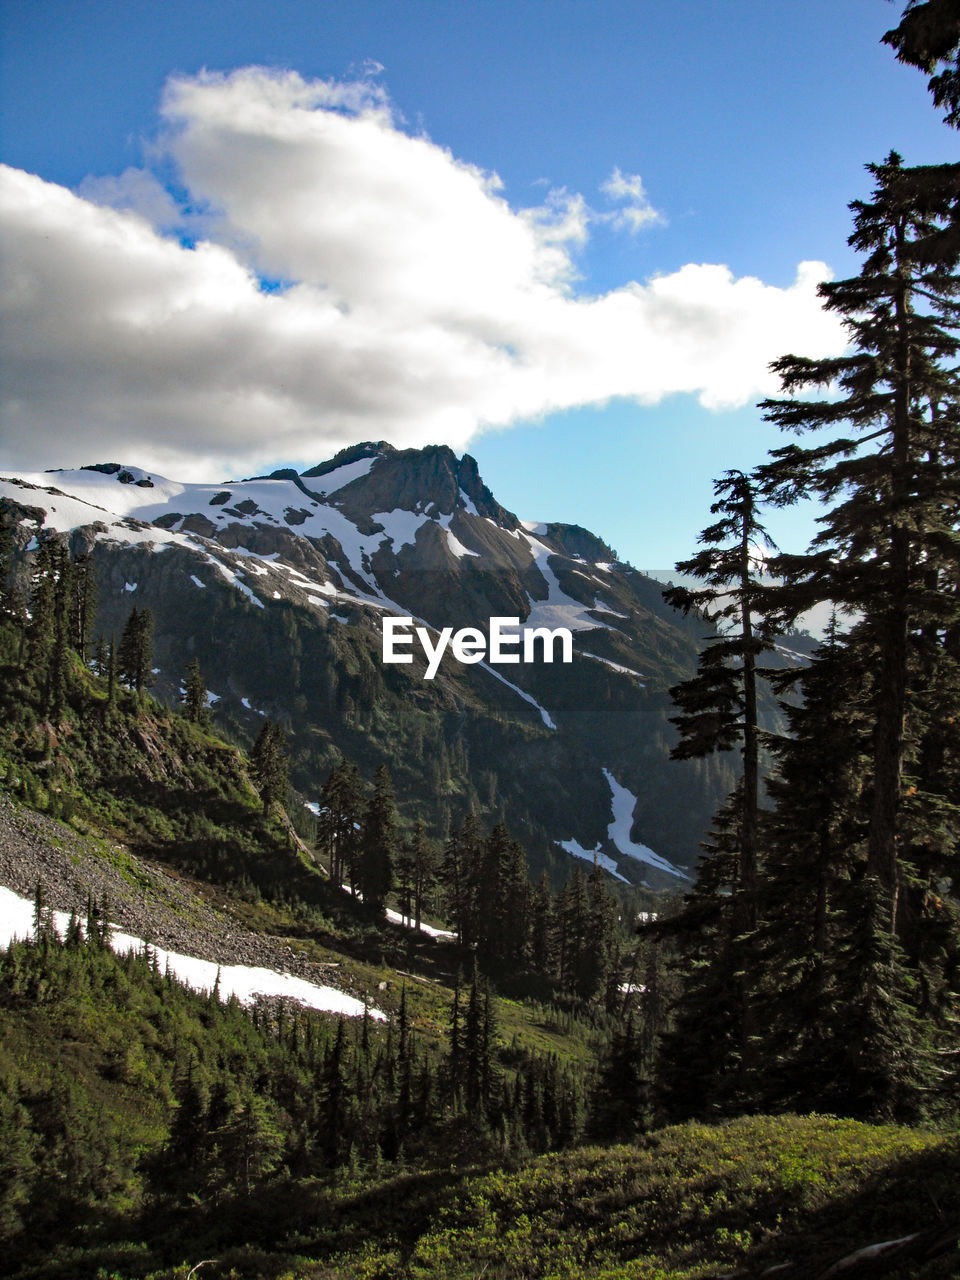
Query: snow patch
[
  {"x": 544, "y": 713},
  {"x": 246, "y": 982},
  {"x": 343, "y": 475},
  {"x": 453, "y": 542},
  {"x": 559, "y": 609},
  {"x": 397, "y": 918},
  {"x": 624, "y": 803},
  {"x": 457, "y": 547},
  {"x": 591, "y": 855},
  {"x": 234, "y": 580},
  {"x": 399, "y": 526},
  {"x": 468, "y": 504},
  {"x": 627, "y": 671}
]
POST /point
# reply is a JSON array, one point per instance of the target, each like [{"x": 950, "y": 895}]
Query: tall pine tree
[
  {"x": 891, "y": 535},
  {"x": 718, "y": 706}
]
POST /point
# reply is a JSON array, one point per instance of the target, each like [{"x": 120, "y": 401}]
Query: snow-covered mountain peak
[{"x": 300, "y": 569}]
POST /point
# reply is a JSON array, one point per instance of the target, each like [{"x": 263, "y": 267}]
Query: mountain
[{"x": 281, "y": 586}]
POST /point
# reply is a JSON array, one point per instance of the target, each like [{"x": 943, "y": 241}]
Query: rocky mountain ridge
[{"x": 279, "y": 584}]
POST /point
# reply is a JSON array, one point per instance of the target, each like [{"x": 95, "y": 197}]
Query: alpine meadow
[{"x": 395, "y": 886}]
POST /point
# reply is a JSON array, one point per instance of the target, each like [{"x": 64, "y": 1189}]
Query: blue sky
[{"x": 215, "y": 269}]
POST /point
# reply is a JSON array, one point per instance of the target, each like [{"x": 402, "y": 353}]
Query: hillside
[
  {"x": 280, "y": 586},
  {"x": 99, "y": 1057},
  {"x": 146, "y": 1128}
]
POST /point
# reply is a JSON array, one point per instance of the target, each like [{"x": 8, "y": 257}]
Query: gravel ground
[{"x": 144, "y": 899}]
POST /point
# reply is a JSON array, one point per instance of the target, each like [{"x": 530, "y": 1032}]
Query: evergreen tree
[
  {"x": 403, "y": 880},
  {"x": 704, "y": 1059},
  {"x": 500, "y": 900},
  {"x": 928, "y": 37},
  {"x": 378, "y": 843},
  {"x": 602, "y": 968},
  {"x": 83, "y": 606},
  {"x": 542, "y": 926},
  {"x": 7, "y": 546},
  {"x": 813, "y": 869},
  {"x": 890, "y": 538},
  {"x": 620, "y": 1105},
  {"x": 461, "y": 857},
  {"x": 874, "y": 1040},
  {"x": 573, "y": 933},
  {"x": 874, "y": 946},
  {"x": 59, "y": 660},
  {"x": 42, "y": 609},
  {"x": 48, "y": 632},
  {"x": 135, "y": 651},
  {"x": 424, "y": 859},
  {"x": 334, "y": 1098},
  {"x": 99, "y": 659},
  {"x": 195, "y": 694},
  {"x": 718, "y": 706},
  {"x": 189, "y": 1144},
  {"x": 338, "y": 828},
  {"x": 268, "y": 765},
  {"x": 472, "y": 1073},
  {"x": 249, "y": 1143},
  {"x": 111, "y": 671}
]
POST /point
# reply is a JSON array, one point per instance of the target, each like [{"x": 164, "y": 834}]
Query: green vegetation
[
  {"x": 819, "y": 954},
  {"x": 148, "y": 1131},
  {"x": 147, "y": 1128}
]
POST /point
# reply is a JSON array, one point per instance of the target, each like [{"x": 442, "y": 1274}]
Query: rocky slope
[{"x": 144, "y": 899}]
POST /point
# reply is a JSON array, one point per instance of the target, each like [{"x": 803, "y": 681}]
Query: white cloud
[
  {"x": 637, "y": 211},
  {"x": 137, "y": 190},
  {"x": 415, "y": 304}
]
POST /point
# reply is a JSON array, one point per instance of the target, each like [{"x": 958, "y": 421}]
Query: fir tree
[
  {"x": 135, "y": 651},
  {"x": 378, "y": 843},
  {"x": 7, "y": 546},
  {"x": 111, "y": 672},
  {"x": 602, "y": 968},
  {"x": 338, "y": 828},
  {"x": 891, "y": 535},
  {"x": 195, "y": 694},
  {"x": 268, "y": 765},
  {"x": 928, "y": 37},
  {"x": 718, "y": 706},
  {"x": 500, "y": 900},
  {"x": 704, "y": 1058},
  {"x": 83, "y": 605},
  {"x": 620, "y": 1106},
  {"x": 424, "y": 858},
  {"x": 99, "y": 658},
  {"x": 403, "y": 880},
  {"x": 48, "y": 633},
  {"x": 814, "y": 864},
  {"x": 461, "y": 857},
  {"x": 542, "y": 926}
]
